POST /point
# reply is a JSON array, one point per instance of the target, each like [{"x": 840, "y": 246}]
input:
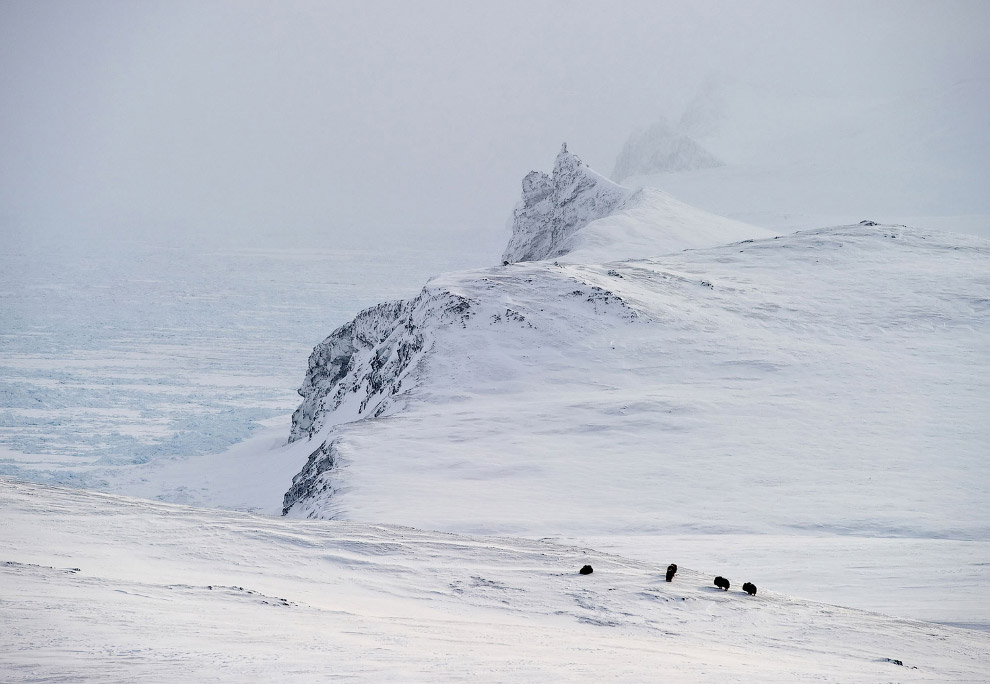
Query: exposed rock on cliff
[
  {"x": 360, "y": 368},
  {"x": 363, "y": 368},
  {"x": 312, "y": 486},
  {"x": 553, "y": 208}
]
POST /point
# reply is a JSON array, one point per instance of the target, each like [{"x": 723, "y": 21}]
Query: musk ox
[
  {"x": 722, "y": 583},
  {"x": 750, "y": 588},
  {"x": 586, "y": 570},
  {"x": 671, "y": 571}
]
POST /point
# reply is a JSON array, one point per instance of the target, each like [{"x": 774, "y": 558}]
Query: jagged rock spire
[{"x": 554, "y": 207}]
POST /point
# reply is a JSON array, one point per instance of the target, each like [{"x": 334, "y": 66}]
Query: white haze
[{"x": 356, "y": 122}]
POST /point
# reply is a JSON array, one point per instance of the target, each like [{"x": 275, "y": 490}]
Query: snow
[
  {"x": 824, "y": 388},
  {"x": 104, "y": 588},
  {"x": 651, "y": 223},
  {"x": 578, "y": 216}
]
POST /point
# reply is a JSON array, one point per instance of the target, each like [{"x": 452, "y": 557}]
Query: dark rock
[
  {"x": 314, "y": 478},
  {"x": 554, "y": 207},
  {"x": 370, "y": 357}
]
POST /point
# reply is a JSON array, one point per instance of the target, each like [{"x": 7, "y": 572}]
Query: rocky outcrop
[
  {"x": 661, "y": 149},
  {"x": 313, "y": 482},
  {"x": 554, "y": 207},
  {"x": 359, "y": 370}
]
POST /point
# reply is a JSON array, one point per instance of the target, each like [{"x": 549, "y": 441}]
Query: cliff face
[
  {"x": 361, "y": 368},
  {"x": 313, "y": 487},
  {"x": 365, "y": 368},
  {"x": 554, "y": 207}
]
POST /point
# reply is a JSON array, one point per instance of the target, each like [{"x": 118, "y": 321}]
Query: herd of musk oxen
[{"x": 720, "y": 581}]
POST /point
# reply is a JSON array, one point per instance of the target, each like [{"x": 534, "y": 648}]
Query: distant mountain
[
  {"x": 795, "y": 160},
  {"x": 661, "y": 149}
]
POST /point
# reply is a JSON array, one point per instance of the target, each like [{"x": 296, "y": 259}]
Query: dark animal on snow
[
  {"x": 671, "y": 571},
  {"x": 750, "y": 588},
  {"x": 722, "y": 583},
  {"x": 586, "y": 570}
]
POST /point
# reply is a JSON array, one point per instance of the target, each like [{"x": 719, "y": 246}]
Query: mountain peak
[
  {"x": 661, "y": 149},
  {"x": 554, "y": 207}
]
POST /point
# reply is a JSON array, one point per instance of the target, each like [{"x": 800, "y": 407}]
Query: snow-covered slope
[
  {"x": 98, "y": 588},
  {"x": 825, "y": 383},
  {"x": 649, "y": 223},
  {"x": 762, "y": 360}
]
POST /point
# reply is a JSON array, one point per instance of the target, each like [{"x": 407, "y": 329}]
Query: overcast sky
[{"x": 380, "y": 118}]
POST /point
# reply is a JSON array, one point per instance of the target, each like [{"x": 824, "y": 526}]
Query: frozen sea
[{"x": 115, "y": 352}]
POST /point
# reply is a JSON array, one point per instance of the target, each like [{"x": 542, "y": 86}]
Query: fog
[{"x": 364, "y": 121}]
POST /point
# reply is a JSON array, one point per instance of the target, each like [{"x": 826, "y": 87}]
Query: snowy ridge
[
  {"x": 210, "y": 594},
  {"x": 553, "y": 208},
  {"x": 677, "y": 395},
  {"x": 359, "y": 369},
  {"x": 651, "y": 223},
  {"x": 578, "y": 216}
]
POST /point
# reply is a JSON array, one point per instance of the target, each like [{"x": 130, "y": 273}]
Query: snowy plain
[{"x": 104, "y": 588}]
